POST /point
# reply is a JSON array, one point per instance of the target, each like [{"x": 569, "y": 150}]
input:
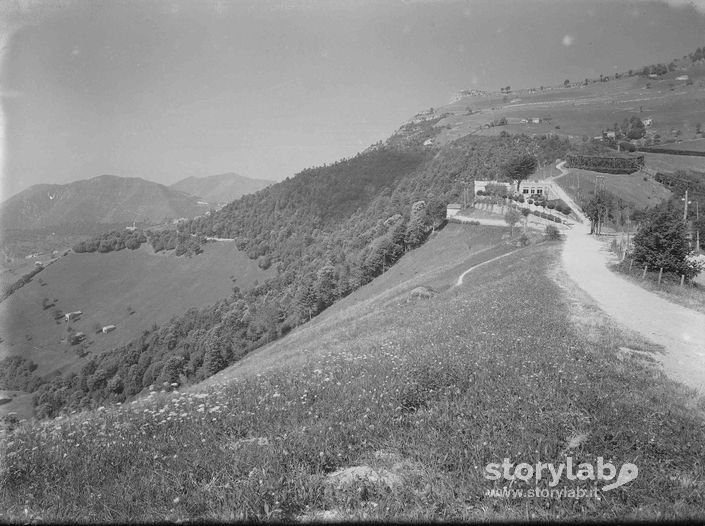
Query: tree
[
  {"x": 512, "y": 217},
  {"x": 519, "y": 168},
  {"x": 596, "y": 210},
  {"x": 416, "y": 229},
  {"x": 635, "y": 128},
  {"x": 661, "y": 242},
  {"x": 566, "y": 83},
  {"x": 552, "y": 233}
]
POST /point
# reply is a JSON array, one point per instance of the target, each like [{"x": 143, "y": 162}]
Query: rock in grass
[{"x": 421, "y": 293}]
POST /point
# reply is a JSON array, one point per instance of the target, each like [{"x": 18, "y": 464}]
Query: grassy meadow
[
  {"x": 129, "y": 289},
  {"x": 663, "y": 162},
  {"x": 419, "y": 393},
  {"x": 639, "y": 190}
]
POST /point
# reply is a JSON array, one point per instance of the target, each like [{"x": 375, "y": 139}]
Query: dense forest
[{"x": 326, "y": 231}]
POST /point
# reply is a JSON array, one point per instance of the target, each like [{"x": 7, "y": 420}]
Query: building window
[
  {"x": 525, "y": 191},
  {"x": 539, "y": 191}
]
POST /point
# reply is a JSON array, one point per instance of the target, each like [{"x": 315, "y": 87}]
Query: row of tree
[
  {"x": 168, "y": 239},
  {"x": 112, "y": 241}
]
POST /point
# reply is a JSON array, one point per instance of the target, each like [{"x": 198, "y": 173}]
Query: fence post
[
  {"x": 682, "y": 280},
  {"x": 643, "y": 276},
  {"x": 660, "y": 273},
  {"x": 631, "y": 262}
]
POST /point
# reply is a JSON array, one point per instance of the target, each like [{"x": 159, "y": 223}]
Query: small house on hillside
[
  {"x": 452, "y": 209},
  {"x": 72, "y": 315},
  {"x": 536, "y": 188},
  {"x": 108, "y": 328}
]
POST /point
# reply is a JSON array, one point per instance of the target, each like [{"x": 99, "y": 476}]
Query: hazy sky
[{"x": 168, "y": 89}]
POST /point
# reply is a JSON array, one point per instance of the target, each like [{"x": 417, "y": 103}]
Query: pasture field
[
  {"x": 638, "y": 189},
  {"x": 697, "y": 145},
  {"x": 422, "y": 393},
  {"x": 129, "y": 289},
  {"x": 662, "y": 162}
]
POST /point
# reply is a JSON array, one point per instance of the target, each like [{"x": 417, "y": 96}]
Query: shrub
[{"x": 552, "y": 233}]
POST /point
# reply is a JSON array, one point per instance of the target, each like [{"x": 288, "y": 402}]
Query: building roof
[{"x": 454, "y": 205}]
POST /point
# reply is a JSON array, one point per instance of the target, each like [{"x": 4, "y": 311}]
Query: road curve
[{"x": 681, "y": 331}]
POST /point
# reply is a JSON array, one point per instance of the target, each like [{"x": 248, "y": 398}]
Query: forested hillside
[{"x": 326, "y": 231}]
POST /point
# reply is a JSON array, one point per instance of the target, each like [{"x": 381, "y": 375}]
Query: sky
[{"x": 170, "y": 89}]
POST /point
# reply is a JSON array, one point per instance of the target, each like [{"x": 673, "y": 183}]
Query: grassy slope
[
  {"x": 696, "y": 145},
  {"x": 102, "y": 286},
  {"x": 631, "y": 188},
  {"x": 585, "y": 110},
  {"x": 662, "y": 162},
  {"x": 431, "y": 390}
]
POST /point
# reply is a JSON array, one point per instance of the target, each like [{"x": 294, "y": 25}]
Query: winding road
[{"x": 681, "y": 331}]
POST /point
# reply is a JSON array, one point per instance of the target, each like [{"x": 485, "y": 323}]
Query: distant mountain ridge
[
  {"x": 221, "y": 188},
  {"x": 102, "y": 199}
]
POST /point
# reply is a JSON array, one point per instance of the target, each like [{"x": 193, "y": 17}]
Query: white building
[
  {"x": 527, "y": 188},
  {"x": 72, "y": 315}
]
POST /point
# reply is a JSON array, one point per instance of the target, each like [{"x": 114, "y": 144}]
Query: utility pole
[
  {"x": 697, "y": 232},
  {"x": 685, "y": 208}
]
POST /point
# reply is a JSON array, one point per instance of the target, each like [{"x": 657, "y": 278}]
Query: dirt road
[{"x": 679, "y": 330}]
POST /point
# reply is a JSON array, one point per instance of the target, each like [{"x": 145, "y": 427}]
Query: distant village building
[
  {"x": 452, "y": 209},
  {"x": 72, "y": 315},
  {"x": 108, "y": 328},
  {"x": 428, "y": 142},
  {"x": 535, "y": 120},
  {"x": 647, "y": 122},
  {"x": 682, "y": 77},
  {"x": 524, "y": 121}
]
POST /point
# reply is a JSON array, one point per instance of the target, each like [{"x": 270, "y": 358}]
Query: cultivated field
[
  {"x": 129, "y": 289},
  {"x": 418, "y": 395}
]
